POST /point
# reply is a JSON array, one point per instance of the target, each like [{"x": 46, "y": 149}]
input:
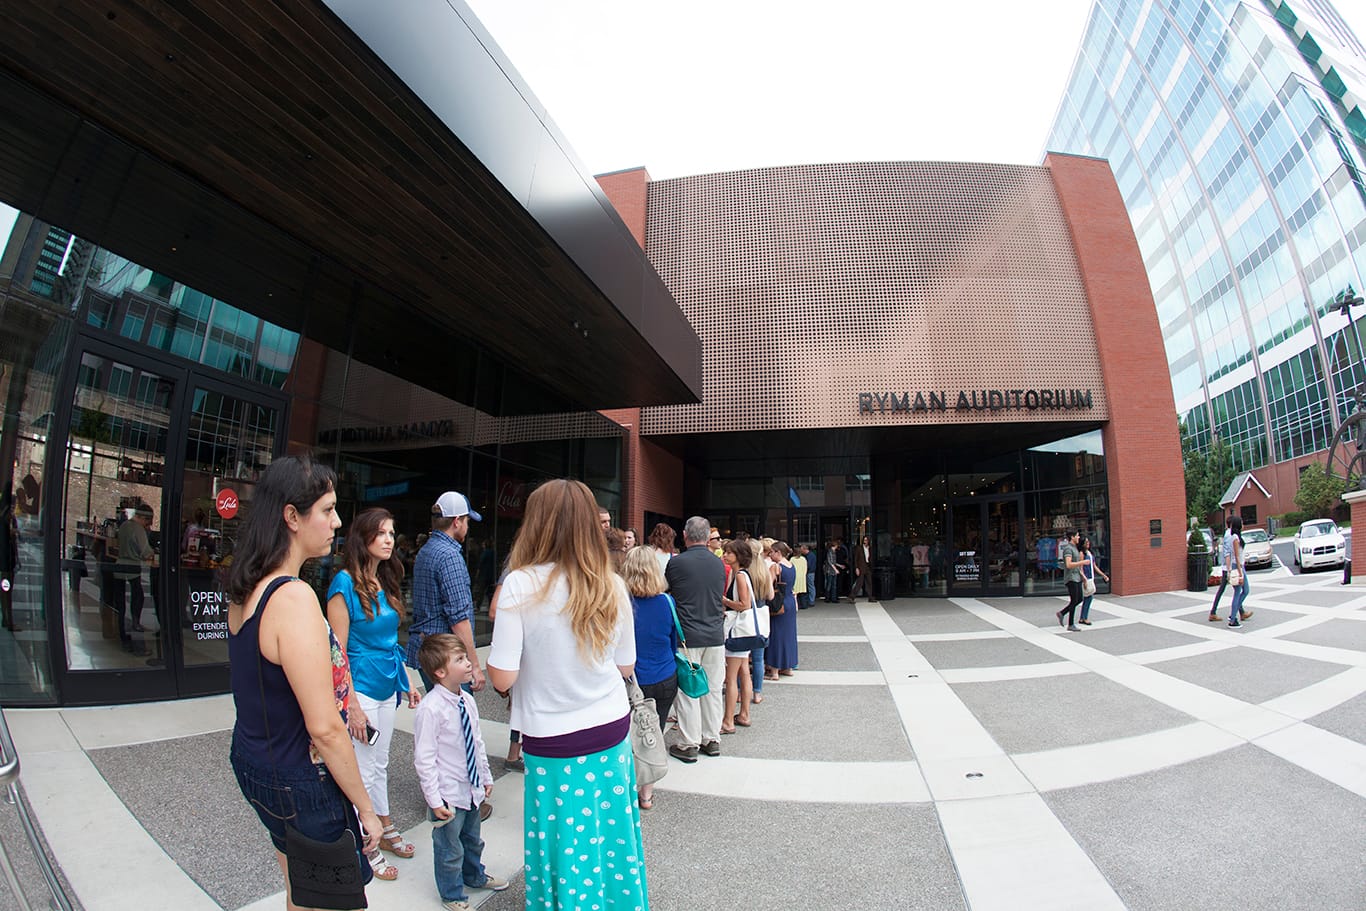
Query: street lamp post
[{"x": 1343, "y": 302}]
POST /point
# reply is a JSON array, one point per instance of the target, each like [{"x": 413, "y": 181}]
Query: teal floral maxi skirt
[{"x": 583, "y": 844}]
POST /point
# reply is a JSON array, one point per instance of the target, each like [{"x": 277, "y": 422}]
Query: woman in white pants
[{"x": 365, "y": 609}]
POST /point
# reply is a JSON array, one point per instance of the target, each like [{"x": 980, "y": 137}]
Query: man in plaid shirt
[
  {"x": 441, "y": 584},
  {"x": 442, "y": 602}
]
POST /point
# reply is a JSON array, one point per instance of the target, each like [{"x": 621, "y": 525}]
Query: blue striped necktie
[{"x": 471, "y": 758}]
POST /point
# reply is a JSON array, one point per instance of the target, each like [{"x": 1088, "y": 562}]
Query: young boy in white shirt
[{"x": 453, "y": 768}]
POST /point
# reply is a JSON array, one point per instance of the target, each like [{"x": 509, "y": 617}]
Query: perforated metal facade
[{"x": 825, "y": 282}]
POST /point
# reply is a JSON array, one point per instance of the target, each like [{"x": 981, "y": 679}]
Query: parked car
[
  {"x": 1257, "y": 548},
  {"x": 1319, "y": 543}
]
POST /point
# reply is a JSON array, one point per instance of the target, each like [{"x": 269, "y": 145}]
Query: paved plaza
[{"x": 929, "y": 754}]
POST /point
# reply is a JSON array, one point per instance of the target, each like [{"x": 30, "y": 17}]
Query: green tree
[
  {"x": 1208, "y": 474},
  {"x": 1319, "y": 491}
]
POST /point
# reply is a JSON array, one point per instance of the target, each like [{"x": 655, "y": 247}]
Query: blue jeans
[
  {"x": 810, "y": 590},
  {"x": 305, "y": 797},
  {"x": 456, "y": 852},
  {"x": 1086, "y": 607},
  {"x": 832, "y": 587},
  {"x": 756, "y": 668},
  {"x": 1223, "y": 584},
  {"x": 1239, "y": 596}
]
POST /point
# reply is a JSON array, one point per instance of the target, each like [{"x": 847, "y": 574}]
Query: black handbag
[
  {"x": 776, "y": 603},
  {"x": 322, "y": 874}
]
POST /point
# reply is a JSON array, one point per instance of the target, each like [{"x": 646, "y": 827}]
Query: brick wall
[
  {"x": 1142, "y": 444},
  {"x": 629, "y": 191},
  {"x": 652, "y": 477},
  {"x": 1282, "y": 479}
]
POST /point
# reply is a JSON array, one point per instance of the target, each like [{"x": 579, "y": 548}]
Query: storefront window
[
  {"x": 37, "y": 330},
  {"x": 1065, "y": 486}
]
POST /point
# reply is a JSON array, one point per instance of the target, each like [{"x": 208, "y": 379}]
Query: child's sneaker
[
  {"x": 456, "y": 906},
  {"x": 493, "y": 884}
]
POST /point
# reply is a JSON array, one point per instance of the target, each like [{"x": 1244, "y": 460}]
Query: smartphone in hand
[{"x": 371, "y": 735}]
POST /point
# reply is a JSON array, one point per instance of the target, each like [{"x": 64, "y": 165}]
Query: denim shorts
[{"x": 308, "y": 798}]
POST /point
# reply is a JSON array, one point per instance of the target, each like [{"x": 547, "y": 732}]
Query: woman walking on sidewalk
[
  {"x": 1237, "y": 575},
  {"x": 1089, "y": 570}
]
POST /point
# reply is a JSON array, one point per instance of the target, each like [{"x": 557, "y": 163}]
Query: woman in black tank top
[{"x": 291, "y": 751}]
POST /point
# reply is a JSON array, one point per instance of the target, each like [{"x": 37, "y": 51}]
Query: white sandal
[
  {"x": 392, "y": 841},
  {"x": 382, "y": 868}
]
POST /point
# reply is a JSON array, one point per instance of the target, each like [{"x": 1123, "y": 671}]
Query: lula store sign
[{"x": 975, "y": 400}]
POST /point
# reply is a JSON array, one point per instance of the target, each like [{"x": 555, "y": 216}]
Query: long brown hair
[
  {"x": 561, "y": 528},
  {"x": 263, "y": 541},
  {"x": 388, "y": 575}
]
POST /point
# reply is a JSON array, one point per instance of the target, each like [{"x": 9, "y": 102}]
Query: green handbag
[{"x": 692, "y": 677}]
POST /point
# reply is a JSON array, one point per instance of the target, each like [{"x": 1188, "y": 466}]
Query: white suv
[{"x": 1319, "y": 543}]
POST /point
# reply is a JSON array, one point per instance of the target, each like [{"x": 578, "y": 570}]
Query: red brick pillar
[
  {"x": 1142, "y": 444},
  {"x": 628, "y": 191},
  {"x": 1356, "y": 499}
]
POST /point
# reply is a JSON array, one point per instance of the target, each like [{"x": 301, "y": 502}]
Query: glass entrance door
[
  {"x": 229, "y": 440},
  {"x": 985, "y": 546},
  {"x": 157, "y": 467}
]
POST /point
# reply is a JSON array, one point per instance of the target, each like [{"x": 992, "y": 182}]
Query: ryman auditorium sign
[{"x": 976, "y": 400}]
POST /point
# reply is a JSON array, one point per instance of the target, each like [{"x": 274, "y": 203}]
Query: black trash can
[
  {"x": 886, "y": 583},
  {"x": 1197, "y": 568}
]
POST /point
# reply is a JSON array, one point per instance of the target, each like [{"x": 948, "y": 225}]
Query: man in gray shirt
[{"x": 696, "y": 580}]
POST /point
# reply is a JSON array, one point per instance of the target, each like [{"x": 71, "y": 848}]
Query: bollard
[{"x": 1346, "y": 572}]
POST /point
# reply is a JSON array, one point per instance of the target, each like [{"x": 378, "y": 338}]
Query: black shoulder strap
[
  {"x": 261, "y": 680},
  {"x": 265, "y": 596}
]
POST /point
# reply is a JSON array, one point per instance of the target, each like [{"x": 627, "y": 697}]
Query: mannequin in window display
[
  {"x": 937, "y": 560},
  {"x": 920, "y": 564}
]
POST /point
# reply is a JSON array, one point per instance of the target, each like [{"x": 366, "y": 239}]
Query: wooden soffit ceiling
[{"x": 447, "y": 188}]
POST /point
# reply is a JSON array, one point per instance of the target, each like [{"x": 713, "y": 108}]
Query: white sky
[{"x": 689, "y": 88}]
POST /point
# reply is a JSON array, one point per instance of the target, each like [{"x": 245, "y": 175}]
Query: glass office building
[{"x": 1237, "y": 136}]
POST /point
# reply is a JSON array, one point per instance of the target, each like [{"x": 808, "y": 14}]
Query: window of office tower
[{"x": 147, "y": 307}]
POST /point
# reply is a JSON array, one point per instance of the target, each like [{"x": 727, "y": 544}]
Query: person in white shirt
[
  {"x": 453, "y": 769},
  {"x": 565, "y": 637}
]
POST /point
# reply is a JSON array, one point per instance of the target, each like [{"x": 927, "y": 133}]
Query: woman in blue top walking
[
  {"x": 656, "y": 638},
  {"x": 365, "y": 608}
]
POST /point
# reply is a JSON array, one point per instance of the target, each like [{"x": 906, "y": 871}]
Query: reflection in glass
[
  {"x": 113, "y": 605},
  {"x": 228, "y": 445}
]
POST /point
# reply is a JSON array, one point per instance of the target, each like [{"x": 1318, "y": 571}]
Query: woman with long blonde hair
[
  {"x": 565, "y": 637},
  {"x": 656, "y": 639}
]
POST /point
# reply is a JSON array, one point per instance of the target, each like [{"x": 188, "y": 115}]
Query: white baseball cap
[{"x": 451, "y": 504}]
